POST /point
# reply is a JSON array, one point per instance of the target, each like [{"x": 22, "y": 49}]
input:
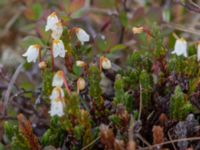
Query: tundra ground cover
[{"x": 114, "y": 75}]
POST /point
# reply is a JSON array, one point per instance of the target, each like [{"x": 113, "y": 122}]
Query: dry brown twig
[
  {"x": 172, "y": 141},
  {"x": 102, "y": 11},
  {"x": 140, "y": 107},
  {"x": 10, "y": 86},
  {"x": 131, "y": 145},
  {"x": 144, "y": 140},
  {"x": 181, "y": 28},
  {"x": 189, "y": 5}
]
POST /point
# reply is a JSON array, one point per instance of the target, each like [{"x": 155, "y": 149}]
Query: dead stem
[
  {"x": 181, "y": 28},
  {"x": 140, "y": 107},
  {"x": 168, "y": 133},
  {"x": 10, "y": 86},
  {"x": 91, "y": 143},
  {"x": 173, "y": 141},
  {"x": 143, "y": 140}
]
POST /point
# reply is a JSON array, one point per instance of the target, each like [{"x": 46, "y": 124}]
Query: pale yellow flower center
[
  {"x": 182, "y": 40},
  {"x": 36, "y": 46},
  {"x": 104, "y": 59},
  {"x": 53, "y": 15},
  {"x": 59, "y": 74},
  {"x": 59, "y": 24},
  {"x": 59, "y": 93},
  {"x": 77, "y": 29},
  {"x": 198, "y": 44},
  {"x": 56, "y": 42}
]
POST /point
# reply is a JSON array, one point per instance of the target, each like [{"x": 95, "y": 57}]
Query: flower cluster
[
  {"x": 54, "y": 24},
  {"x": 57, "y": 95}
]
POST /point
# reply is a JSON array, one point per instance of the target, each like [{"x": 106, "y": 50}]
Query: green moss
[
  {"x": 146, "y": 88},
  {"x": 94, "y": 83},
  {"x": 179, "y": 107}
]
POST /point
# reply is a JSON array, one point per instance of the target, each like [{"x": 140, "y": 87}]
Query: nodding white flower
[
  {"x": 57, "y": 31},
  {"x": 81, "y": 84},
  {"x": 82, "y": 35},
  {"x": 58, "y": 79},
  {"x": 57, "y": 102},
  {"x": 32, "y": 53},
  {"x": 58, "y": 48},
  {"x": 180, "y": 47},
  {"x": 56, "y": 108},
  {"x": 52, "y": 19},
  {"x": 105, "y": 63},
  {"x": 198, "y": 52},
  {"x": 57, "y": 94},
  {"x": 137, "y": 30},
  {"x": 80, "y": 63}
]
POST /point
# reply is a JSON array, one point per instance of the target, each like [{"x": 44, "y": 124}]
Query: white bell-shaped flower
[
  {"x": 56, "y": 108},
  {"x": 58, "y": 79},
  {"x": 57, "y": 102},
  {"x": 52, "y": 19},
  {"x": 32, "y": 53},
  {"x": 58, "y": 48},
  {"x": 82, "y": 35},
  {"x": 198, "y": 51},
  {"x": 57, "y": 31},
  {"x": 180, "y": 47},
  {"x": 105, "y": 63}
]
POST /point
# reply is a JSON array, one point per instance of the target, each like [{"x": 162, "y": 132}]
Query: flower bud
[
  {"x": 105, "y": 63},
  {"x": 80, "y": 63},
  {"x": 137, "y": 30},
  {"x": 81, "y": 84},
  {"x": 42, "y": 65}
]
